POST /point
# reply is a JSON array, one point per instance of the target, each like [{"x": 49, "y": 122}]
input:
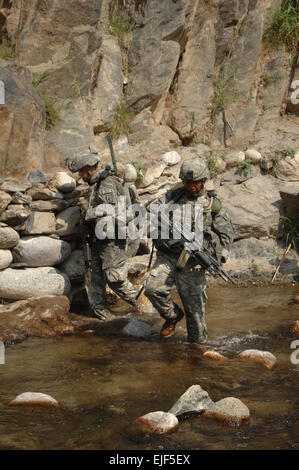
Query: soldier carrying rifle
[
  {"x": 105, "y": 259},
  {"x": 177, "y": 267}
]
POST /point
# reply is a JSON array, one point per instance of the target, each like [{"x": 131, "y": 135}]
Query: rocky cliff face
[
  {"x": 191, "y": 70},
  {"x": 189, "y": 75}
]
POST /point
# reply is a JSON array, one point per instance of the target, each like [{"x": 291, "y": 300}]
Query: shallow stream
[{"x": 106, "y": 381}]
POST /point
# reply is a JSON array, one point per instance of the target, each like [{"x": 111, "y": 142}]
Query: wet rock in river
[
  {"x": 229, "y": 410},
  {"x": 294, "y": 329},
  {"x": 158, "y": 422},
  {"x": 32, "y": 398},
  {"x": 195, "y": 399},
  {"x": 214, "y": 355},
  {"x": 137, "y": 329},
  {"x": 41, "y": 317},
  {"x": 264, "y": 357}
]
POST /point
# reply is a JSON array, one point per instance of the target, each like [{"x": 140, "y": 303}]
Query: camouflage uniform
[
  {"x": 191, "y": 281},
  {"x": 112, "y": 253},
  {"x": 108, "y": 256}
]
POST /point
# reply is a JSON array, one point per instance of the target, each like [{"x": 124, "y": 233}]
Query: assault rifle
[
  {"x": 193, "y": 248},
  {"x": 86, "y": 240}
]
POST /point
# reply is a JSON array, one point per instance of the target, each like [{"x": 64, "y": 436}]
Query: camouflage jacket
[
  {"x": 218, "y": 232},
  {"x": 106, "y": 189}
]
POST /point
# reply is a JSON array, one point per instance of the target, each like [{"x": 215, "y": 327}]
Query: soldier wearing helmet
[
  {"x": 190, "y": 282},
  {"x": 109, "y": 256}
]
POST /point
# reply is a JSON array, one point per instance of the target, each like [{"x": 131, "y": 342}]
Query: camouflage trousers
[
  {"x": 109, "y": 266},
  {"x": 191, "y": 286}
]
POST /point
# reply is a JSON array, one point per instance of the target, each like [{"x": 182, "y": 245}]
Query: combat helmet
[
  {"x": 87, "y": 159},
  {"x": 194, "y": 169}
]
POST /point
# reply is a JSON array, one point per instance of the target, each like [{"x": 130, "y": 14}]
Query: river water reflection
[{"x": 106, "y": 381}]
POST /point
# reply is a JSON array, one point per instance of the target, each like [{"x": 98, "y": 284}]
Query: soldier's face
[
  {"x": 83, "y": 173},
  {"x": 86, "y": 172},
  {"x": 193, "y": 187}
]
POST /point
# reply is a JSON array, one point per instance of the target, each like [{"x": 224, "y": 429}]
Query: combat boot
[{"x": 168, "y": 328}]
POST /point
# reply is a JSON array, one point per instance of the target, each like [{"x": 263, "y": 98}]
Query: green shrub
[
  {"x": 284, "y": 27},
  {"x": 212, "y": 166},
  {"x": 52, "y": 112},
  {"x": 122, "y": 119},
  {"x": 6, "y": 50},
  {"x": 269, "y": 78},
  {"x": 289, "y": 231},
  {"x": 38, "y": 79},
  {"x": 223, "y": 95},
  {"x": 279, "y": 154},
  {"x": 140, "y": 168},
  {"x": 245, "y": 167},
  {"x": 118, "y": 27}
]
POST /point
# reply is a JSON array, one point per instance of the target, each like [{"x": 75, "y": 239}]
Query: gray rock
[
  {"x": 37, "y": 176},
  {"x": 252, "y": 258},
  {"x": 9, "y": 238},
  {"x": 290, "y": 196},
  {"x": 171, "y": 158},
  {"x": 41, "y": 251},
  {"x": 14, "y": 186},
  {"x": 20, "y": 198},
  {"x": 45, "y": 194},
  {"x": 63, "y": 182},
  {"x": 195, "y": 399},
  {"x": 253, "y": 155},
  {"x": 194, "y": 85},
  {"x": 108, "y": 85},
  {"x": 67, "y": 220},
  {"x": 21, "y": 284},
  {"x": 237, "y": 176},
  {"x": 287, "y": 169},
  {"x": 5, "y": 199},
  {"x": 234, "y": 158},
  {"x": 16, "y": 214},
  {"x": 40, "y": 223},
  {"x": 229, "y": 410},
  {"x": 5, "y": 259},
  {"x": 22, "y": 123},
  {"x": 254, "y": 206},
  {"x": 74, "y": 266},
  {"x": 137, "y": 329},
  {"x": 54, "y": 205}
]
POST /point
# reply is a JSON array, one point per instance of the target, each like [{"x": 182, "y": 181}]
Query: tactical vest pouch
[{"x": 183, "y": 260}]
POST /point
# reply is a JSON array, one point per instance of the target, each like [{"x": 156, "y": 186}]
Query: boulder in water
[
  {"x": 137, "y": 329},
  {"x": 158, "y": 422},
  {"x": 194, "y": 400},
  {"x": 294, "y": 329},
  {"x": 214, "y": 355},
  {"x": 33, "y": 398},
  {"x": 229, "y": 410},
  {"x": 43, "y": 317},
  {"x": 264, "y": 357}
]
